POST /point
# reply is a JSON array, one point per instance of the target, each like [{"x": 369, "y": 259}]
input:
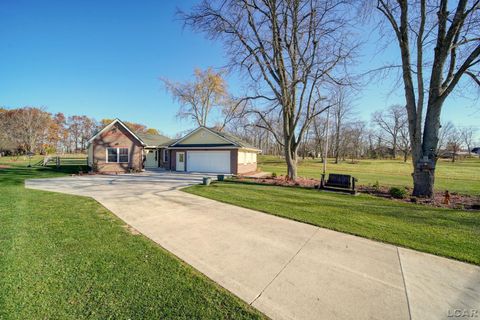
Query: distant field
[{"x": 461, "y": 176}]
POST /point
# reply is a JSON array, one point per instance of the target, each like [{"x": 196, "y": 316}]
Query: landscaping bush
[
  {"x": 274, "y": 174},
  {"x": 398, "y": 193}
]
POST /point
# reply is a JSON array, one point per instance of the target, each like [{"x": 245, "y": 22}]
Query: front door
[
  {"x": 180, "y": 163},
  {"x": 151, "y": 160}
]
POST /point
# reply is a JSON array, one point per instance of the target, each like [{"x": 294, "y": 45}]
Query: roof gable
[
  {"x": 110, "y": 125},
  {"x": 204, "y": 136}
]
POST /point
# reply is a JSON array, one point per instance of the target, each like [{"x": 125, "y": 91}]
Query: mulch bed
[
  {"x": 4, "y": 166},
  {"x": 282, "y": 181},
  {"x": 457, "y": 201}
]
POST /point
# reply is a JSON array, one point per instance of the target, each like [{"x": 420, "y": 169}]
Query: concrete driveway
[{"x": 286, "y": 269}]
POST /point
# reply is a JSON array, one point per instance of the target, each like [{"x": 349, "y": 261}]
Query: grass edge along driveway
[
  {"x": 68, "y": 257},
  {"x": 445, "y": 232}
]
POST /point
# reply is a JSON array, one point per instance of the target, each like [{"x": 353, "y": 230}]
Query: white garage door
[{"x": 208, "y": 161}]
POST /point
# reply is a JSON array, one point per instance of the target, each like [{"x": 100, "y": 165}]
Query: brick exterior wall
[
  {"x": 247, "y": 168},
  {"x": 117, "y": 137}
]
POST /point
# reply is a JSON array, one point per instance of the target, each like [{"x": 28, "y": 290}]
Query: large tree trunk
[
  {"x": 291, "y": 160},
  {"x": 291, "y": 168},
  {"x": 423, "y": 182},
  {"x": 425, "y": 159},
  {"x": 423, "y": 175}
]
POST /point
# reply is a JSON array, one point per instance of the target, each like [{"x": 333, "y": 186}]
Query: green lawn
[
  {"x": 445, "y": 232},
  {"x": 67, "y": 257},
  {"x": 461, "y": 176}
]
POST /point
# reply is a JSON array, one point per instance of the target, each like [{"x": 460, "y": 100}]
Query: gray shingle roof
[
  {"x": 234, "y": 139},
  {"x": 154, "y": 139}
]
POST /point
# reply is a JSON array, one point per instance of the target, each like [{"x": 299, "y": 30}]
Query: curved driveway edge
[{"x": 286, "y": 269}]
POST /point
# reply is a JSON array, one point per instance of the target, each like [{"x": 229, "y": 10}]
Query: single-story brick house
[{"x": 116, "y": 149}]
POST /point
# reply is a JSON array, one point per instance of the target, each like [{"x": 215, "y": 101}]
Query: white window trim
[{"x": 118, "y": 154}]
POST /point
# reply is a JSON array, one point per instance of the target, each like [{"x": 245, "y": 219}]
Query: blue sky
[{"x": 104, "y": 59}]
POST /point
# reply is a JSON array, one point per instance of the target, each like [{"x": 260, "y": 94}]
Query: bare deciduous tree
[
  {"x": 31, "y": 127},
  {"x": 442, "y": 40},
  {"x": 199, "y": 97},
  {"x": 320, "y": 133},
  {"x": 444, "y": 132},
  {"x": 391, "y": 121},
  {"x": 454, "y": 143},
  {"x": 404, "y": 142},
  {"x": 233, "y": 109},
  {"x": 341, "y": 111},
  {"x": 289, "y": 49},
  {"x": 467, "y": 137},
  {"x": 355, "y": 139}
]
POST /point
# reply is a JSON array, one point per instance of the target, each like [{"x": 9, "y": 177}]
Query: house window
[
  {"x": 112, "y": 154},
  {"x": 117, "y": 155},
  {"x": 165, "y": 155},
  {"x": 123, "y": 155}
]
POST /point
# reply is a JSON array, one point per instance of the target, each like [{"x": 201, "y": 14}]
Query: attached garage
[
  {"x": 211, "y": 151},
  {"x": 208, "y": 161}
]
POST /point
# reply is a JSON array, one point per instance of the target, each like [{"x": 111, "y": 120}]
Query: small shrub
[
  {"x": 274, "y": 174},
  {"x": 398, "y": 193},
  {"x": 376, "y": 186}
]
